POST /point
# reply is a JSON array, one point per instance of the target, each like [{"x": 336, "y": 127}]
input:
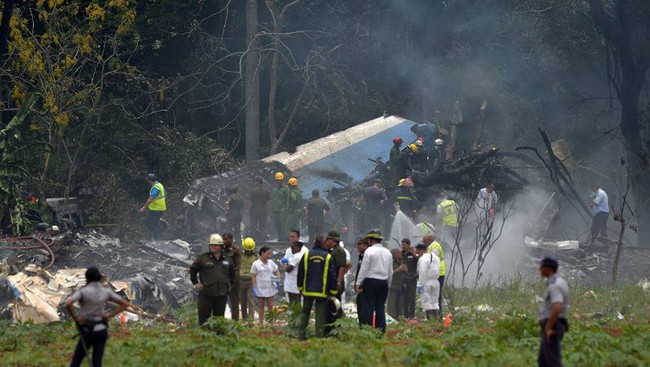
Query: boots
[
  {"x": 428, "y": 314},
  {"x": 436, "y": 314}
]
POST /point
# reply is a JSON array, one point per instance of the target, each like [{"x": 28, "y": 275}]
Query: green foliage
[
  {"x": 500, "y": 337},
  {"x": 19, "y": 145}
]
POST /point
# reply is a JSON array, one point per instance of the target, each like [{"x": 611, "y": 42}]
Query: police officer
[
  {"x": 552, "y": 314},
  {"x": 233, "y": 253},
  {"x": 410, "y": 258},
  {"x": 212, "y": 275},
  {"x": 396, "y": 290},
  {"x": 316, "y": 282},
  {"x": 155, "y": 206},
  {"x": 91, "y": 320},
  {"x": 332, "y": 244},
  {"x": 246, "y": 297},
  {"x": 316, "y": 211}
]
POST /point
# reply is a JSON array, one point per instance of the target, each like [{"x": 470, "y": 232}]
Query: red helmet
[{"x": 397, "y": 140}]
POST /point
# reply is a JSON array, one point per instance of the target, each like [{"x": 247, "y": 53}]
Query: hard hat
[
  {"x": 413, "y": 147},
  {"x": 215, "y": 239},
  {"x": 419, "y": 142},
  {"x": 279, "y": 176},
  {"x": 293, "y": 181},
  {"x": 335, "y": 305},
  {"x": 248, "y": 244},
  {"x": 438, "y": 142},
  {"x": 397, "y": 140},
  {"x": 400, "y": 183}
]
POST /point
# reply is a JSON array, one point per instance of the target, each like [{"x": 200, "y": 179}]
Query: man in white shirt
[
  {"x": 600, "y": 208},
  {"x": 375, "y": 275},
  {"x": 290, "y": 260},
  {"x": 428, "y": 270}
]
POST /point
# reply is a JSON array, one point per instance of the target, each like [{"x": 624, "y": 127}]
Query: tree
[
  {"x": 252, "y": 84},
  {"x": 625, "y": 26}
]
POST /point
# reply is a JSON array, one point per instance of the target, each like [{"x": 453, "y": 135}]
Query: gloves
[
  {"x": 284, "y": 260},
  {"x": 256, "y": 292}
]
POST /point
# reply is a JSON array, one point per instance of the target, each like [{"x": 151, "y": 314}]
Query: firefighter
[
  {"x": 316, "y": 282},
  {"x": 280, "y": 205},
  {"x": 447, "y": 213},
  {"x": 405, "y": 198},
  {"x": 294, "y": 205},
  {"x": 396, "y": 167}
]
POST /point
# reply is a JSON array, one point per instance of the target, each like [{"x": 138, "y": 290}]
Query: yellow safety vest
[
  {"x": 158, "y": 204},
  {"x": 449, "y": 213},
  {"x": 436, "y": 245}
]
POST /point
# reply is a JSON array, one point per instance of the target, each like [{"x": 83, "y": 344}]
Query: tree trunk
[
  {"x": 252, "y": 85},
  {"x": 480, "y": 126},
  {"x": 273, "y": 86}
]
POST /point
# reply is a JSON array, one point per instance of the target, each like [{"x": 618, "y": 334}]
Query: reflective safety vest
[
  {"x": 158, "y": 204},
  {"x": 449, "y": 213},
  {"x": 436, "y": 246},
  {"x": 316, "y": 274}
]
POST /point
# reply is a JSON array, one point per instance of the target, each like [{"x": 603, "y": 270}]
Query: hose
[{"x": 42, "y": 244}]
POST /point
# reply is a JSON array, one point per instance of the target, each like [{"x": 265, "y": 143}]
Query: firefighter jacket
[{"x": 317, "y": 273}]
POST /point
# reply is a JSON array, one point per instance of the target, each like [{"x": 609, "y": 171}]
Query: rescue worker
[
  {"x": 396, "y": 166},
  {"x": 437, "y": 157},
  {"x": 332, "y": 244},
  {"x": 91, "y": 321},
  {"x": 552, "y": 314},
  {"x": 375, "y": 275},
  {"x": 246, "y": 296},
  {"x": 294, "y": 205},
  {"x": 434, "y": 247},
  {"x": 427, "y": 131},
  {"x": 316, "y": 210},
  {"x": 600, "y": 207},
  {"x": 486, "y": 205},
  {"x": 155, "y": 206},
  {"x": 262, "y": 272},
  {"x": 406, "y": 154},
  {"x": 234, "y": 254},
  {"x": 234, "y": 206},
  {"x": 410, "y": 258},
  {"x": 419, "y": 160},
  {"x": 447, "y": 214},
  {"x": 405, "y": 198},
  {"x": 259, "y": 198},
  {"x": 397, "y": 288},
  {"x": 373, "y": 200},
  {"x": 428, "y": 270},
  {"x": 212, "y": 274},
  {"x": 316, "y": 282},
  {"x": 280, "y": 205},
  {"x": 291, "y": 259},
  {"x": 362, "y": 246}
]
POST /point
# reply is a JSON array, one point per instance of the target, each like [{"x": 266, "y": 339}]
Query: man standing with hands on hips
[{"x": 552, "y": 314}]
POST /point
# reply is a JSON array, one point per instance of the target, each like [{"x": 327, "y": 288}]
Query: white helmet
[{"x": 438, "y": 142}]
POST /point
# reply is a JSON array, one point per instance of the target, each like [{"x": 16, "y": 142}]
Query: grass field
[{"x": 492, "y": 326}]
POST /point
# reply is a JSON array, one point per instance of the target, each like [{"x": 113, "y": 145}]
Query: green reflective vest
[
  {"x": 158, "y": 204},
  {"x": 449, "y": 213}
]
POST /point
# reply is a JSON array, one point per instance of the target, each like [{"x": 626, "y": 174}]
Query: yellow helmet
[
  {"x": 293, "y": 181},
  {"x": 401, "y": 182},
  {"x": 215, "y": 239},
  {"x": 248, "y": 244},
  {"x": 279, "y": 176},
  {"x": 413, "y": 147}
]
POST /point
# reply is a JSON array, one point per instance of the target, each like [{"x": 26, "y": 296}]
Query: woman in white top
[{"x": 262, "y": 272}]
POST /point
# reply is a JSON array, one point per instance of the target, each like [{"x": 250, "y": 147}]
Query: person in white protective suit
[{"x": 428, "y": 270}]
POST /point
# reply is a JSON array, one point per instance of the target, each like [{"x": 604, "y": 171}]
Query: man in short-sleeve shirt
[
  {"x": 600, "y": 208},
  {"x": 552, "y": 314}
]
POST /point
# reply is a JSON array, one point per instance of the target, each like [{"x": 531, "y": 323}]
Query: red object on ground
[{"x": 448, "y": 320}]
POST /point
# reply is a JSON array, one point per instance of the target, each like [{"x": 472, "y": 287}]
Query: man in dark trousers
[
  {"x": 375, "y": 275},
  {"x": 342, "y": 266},
  {"x": 234, "y": 206},
  {"x": 155, "y": 206},
  {"x": 259, "y": 198},
  {"x": 362, "y": 246},
  {"x": 403, "y": 196},
  {"x": 212, "y": 275},
  {"x": 91, "y": 320},
  {"x": 316, "y": 211},
  {"x": 374, "y": 198},
  {"x": 280, "y": 206},
  {"x": 234, "y": 254},
  {"x": 316, "y": 282},
  {"x": 552, "y": 314},
  {"x": 396, "y": 290},
  {"x": 410, "y": 259}
]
